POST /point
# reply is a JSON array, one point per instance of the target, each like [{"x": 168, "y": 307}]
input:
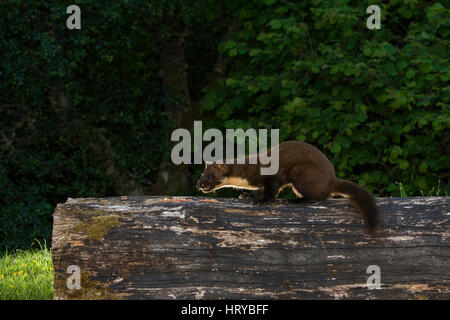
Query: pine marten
[{"x": 302, "y": 167}]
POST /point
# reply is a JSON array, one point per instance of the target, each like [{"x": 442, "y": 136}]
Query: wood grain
[{"x": 205, "y": 248}]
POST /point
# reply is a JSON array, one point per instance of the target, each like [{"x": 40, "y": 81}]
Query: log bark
[{"x": 205, "y": 248}]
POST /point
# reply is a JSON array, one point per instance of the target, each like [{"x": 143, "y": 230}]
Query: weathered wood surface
[{"x": 203, "y": 248}]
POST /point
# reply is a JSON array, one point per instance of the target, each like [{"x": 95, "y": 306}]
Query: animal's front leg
[{"x": 269, "y": 194}]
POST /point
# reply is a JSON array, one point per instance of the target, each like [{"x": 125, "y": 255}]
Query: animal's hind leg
[
  {"x": 311, "y": 183},
  {"x": 300, "y": 197}
]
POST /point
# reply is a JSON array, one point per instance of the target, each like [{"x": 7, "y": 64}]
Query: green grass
[
  {"x": 26, "y": 275},
  {"x": 434, "y": 192}
]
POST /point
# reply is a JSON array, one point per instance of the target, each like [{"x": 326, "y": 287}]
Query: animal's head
[{"x": 212, "y": 177}]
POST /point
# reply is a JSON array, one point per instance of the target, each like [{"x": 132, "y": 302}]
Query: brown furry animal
[{"x": 302, "y": 167}]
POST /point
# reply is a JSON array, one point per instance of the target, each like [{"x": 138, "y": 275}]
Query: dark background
[{"x": 89, "y": 113}]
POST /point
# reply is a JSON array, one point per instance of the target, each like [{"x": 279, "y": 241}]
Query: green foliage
[
  {"x": 74, "y": 102},
  {"x": 375, "y": 101},
  {"x": 54, "y": 151}
]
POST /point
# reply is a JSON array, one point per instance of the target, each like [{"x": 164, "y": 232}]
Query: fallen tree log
[{"x": 205, "y": 248}]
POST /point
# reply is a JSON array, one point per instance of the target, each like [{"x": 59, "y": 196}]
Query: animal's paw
[{"x": 246, "y": 196}]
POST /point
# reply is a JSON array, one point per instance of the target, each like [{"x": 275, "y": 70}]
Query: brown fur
[{"x": 302, "y": 167}]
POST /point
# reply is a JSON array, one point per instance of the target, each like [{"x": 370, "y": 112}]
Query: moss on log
[{"x": 204, "y": 248}]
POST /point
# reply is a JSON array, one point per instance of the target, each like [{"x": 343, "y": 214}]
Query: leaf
[
  {"x": 426, "y": 68},
  {"x": 233, "y": 52},
  {"x": 275, "y": 24},
  {"x": 289, "y": 107},
  {"x": 362, "y": 117},
  {"x": 392, "y": 187},
  {"x": 230, "y": 82},
  {"x": 423, "y": 167},
  {"x": 346, "y": 142},
  {"x": 252, "y": 88},
  {"x": 335, "y": 148},
  {"x": 269, "y": 2},
  {"x": 437, "y": 7},
  {"x": 410, "y": 73},
  {"x": 299, "y": 102},
  {"x": 284, "y": 93},
  {"x": 227, "y": 45},
  {"x": 421, "y": 122},
  {"x": 254, "y": 52},
  {"x": 401, "y": 64},
  {"x": 367, "y": 51},
  {"x": 404, "y": 164},
  {"x": 395, "y": 151}
]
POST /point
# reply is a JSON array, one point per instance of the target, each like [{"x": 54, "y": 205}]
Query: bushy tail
[{"x": 362, "y": 199}]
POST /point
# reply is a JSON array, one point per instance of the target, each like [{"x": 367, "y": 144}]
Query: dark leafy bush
[
  {"x": 375, "y": 101},
  {"x": 104, "y": 80}
]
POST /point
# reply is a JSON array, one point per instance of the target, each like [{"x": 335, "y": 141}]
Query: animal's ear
[{"x": 222, "y": 167}]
